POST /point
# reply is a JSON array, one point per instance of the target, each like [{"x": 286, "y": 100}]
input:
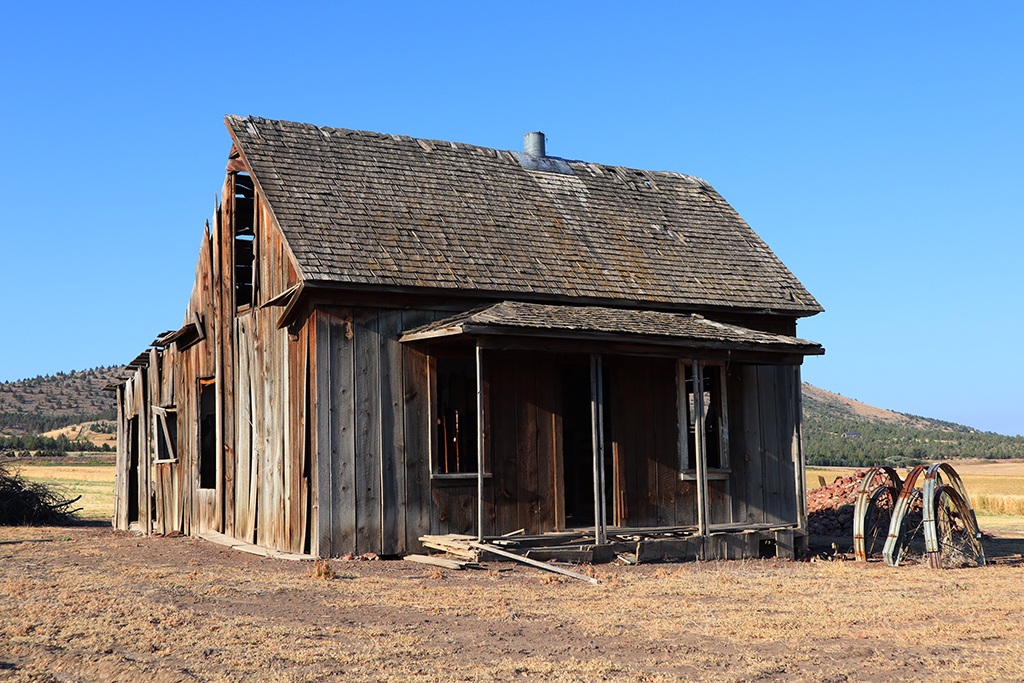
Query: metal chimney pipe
[{"x": 533, "y": 144}]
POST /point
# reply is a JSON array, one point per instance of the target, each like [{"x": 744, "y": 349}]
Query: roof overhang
[{"x": 513, "y": 324}]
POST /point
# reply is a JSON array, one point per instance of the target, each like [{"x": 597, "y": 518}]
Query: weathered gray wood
[
  {"x": 784, "y": 545},
  {"x": 341, "y": 402},
  {"x": 798, "y": 450},
  {"x": 435, "y": 561},
  {"x": 368, "y": 462},
  {"x": 479, "y": 365},
  {"x": 738, "y": 458},
  {"x": 751, "y": 447},
  {"x": 243, "y": 430},
  {"x": 392, "y": 414},
  {"x": 767, "y": 388},
  {"x": 320, "y": 377},
  {"x": 668, "y": 549},
  {"x": 787, "y": 422},
  {"x": 416, "y": 397},
  {"x": 533, "y": 563},
  {"x": 702, "y": 463}
]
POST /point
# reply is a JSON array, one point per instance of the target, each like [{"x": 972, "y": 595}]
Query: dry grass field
[
  {"x": 92, "y": 480},
  {"x": 89, "y": 604},
  {"x": 92, "y": 604}
]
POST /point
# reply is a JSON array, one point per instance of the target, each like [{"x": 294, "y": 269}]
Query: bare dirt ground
[{"x": 92, "y": 604}]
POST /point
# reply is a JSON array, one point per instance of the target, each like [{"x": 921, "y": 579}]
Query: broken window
[
  {"x": 244, "y": 229},
  {"x": 207, "y": 434},
  {"x": 455, "y": 416},
  {"x": 703, "y": 411},
  {"x": 165, "y": 429}
]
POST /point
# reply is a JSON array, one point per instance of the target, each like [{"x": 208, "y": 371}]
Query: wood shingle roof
[
  {"x": 569, "y": 321},
  {"x": 372, "y": 209}
]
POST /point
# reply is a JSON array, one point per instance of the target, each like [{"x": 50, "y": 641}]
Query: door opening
[
  {"x": 578, "y": 446},
  {"x": 133, "y": 470}
]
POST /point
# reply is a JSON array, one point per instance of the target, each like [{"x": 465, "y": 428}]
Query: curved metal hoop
[
  {"x": 867, "y": 505},
  {"x": 950, "y": 526},
  {"x": 952, "y": 536}
]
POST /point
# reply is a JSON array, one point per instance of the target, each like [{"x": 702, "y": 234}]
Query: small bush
[{"x": 24, "y": 502}]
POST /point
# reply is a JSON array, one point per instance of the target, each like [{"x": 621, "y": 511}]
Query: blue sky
[{"x": 876, "y": 147}]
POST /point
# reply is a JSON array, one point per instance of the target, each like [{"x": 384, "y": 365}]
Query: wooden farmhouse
[{"x": 391, "y": 337}]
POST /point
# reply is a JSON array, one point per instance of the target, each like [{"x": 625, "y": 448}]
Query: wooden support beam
[
  {"x": 597, "y": 431},
  {"x": 479, "y": 443},
  {"x": 533, "y": 563}
]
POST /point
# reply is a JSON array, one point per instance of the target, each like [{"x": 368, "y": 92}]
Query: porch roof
[{"x": 516, "y": 318}]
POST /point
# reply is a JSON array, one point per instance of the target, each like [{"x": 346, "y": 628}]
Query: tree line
[
  {"x": 46, "y": 446},
  {"x": 830, "y": 441},
  {"x": 36, "y": 422}
]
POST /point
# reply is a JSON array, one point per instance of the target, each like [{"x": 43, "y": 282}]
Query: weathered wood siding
[
  {"x": 371, "y": 445},
  {"x": 764, "y": 417}
]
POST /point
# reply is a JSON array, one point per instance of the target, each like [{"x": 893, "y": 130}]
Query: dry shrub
[
  {"x": 24, "y": 502},
  {"x": 322, "y": 569}
]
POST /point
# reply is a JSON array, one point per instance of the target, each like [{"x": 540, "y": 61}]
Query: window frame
[
  {"x": 434, "y": 422},
  {"x": 162, "y": 429},
  {"x": 699, "y": 370}
]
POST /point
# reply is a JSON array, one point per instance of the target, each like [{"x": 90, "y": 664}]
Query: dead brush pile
[
  {"x": 830, "y": 507},
  {"x": 24, "y": 502}
]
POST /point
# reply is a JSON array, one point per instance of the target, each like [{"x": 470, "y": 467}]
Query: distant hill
[
  {"x": 40, "y": 404},
  {"x": 837, "y": 430},
  {"x": 842, "y": 431}
]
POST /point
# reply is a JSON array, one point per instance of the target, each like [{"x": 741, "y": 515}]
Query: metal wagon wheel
[
  {"x": 877, "y": 519},
  {"x": 873, "y": 510},
  {"x": 957, "y": 534}
]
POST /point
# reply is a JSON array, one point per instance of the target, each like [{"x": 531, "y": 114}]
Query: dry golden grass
[
  {"x": 94, "y": 483},
  {"x": 96, "y": 607}
]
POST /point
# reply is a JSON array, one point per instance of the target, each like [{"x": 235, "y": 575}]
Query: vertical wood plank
[
  {"x": 368, "y": 462},
  {"x": 503, "y": 425},
  {"x": 787, "y": 425},
  {"x": 392, "y": 404},
  {"x": 243, "y": 430},
  {"x": 666, "y": 460},
  {"x": 798, "y": 449},
  {"x": 738, "y": 454},
  {"x": 343, "y": 442},
  {"x": 320, "y": 376},
  {"x": 766, "y": 391},
  {"x": 416, "y": 396}
]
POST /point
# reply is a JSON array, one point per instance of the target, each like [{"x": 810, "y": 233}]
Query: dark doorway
[
  {"x": 578, "y": 445},
  {"x": 207, "y": 434},
  {"x": 133, "y": 470}
]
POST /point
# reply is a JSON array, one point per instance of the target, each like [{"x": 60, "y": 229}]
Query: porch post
[
  {"x": 702, "y": 460},
  {"x": 479, "y": 443},
  {"x": 597, "y": 428}
]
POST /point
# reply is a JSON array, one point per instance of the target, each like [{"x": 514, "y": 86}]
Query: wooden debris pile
[
  {"x": 830, "y": 507},
  {"x": 28, "y": 503},
  {"x": 466, "y": 552}
]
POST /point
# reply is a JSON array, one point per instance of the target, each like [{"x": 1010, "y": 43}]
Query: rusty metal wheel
[{"x": 957, "y": 535}]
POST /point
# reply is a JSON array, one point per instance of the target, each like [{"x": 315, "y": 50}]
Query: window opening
[
  {"x": 456, "y": 416},
  {"x": 244, "y": 228},
  {"x": 166, "y": 428},
  {"x": 709, "y": 384},
  {"x": 207, "y": 434}
]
